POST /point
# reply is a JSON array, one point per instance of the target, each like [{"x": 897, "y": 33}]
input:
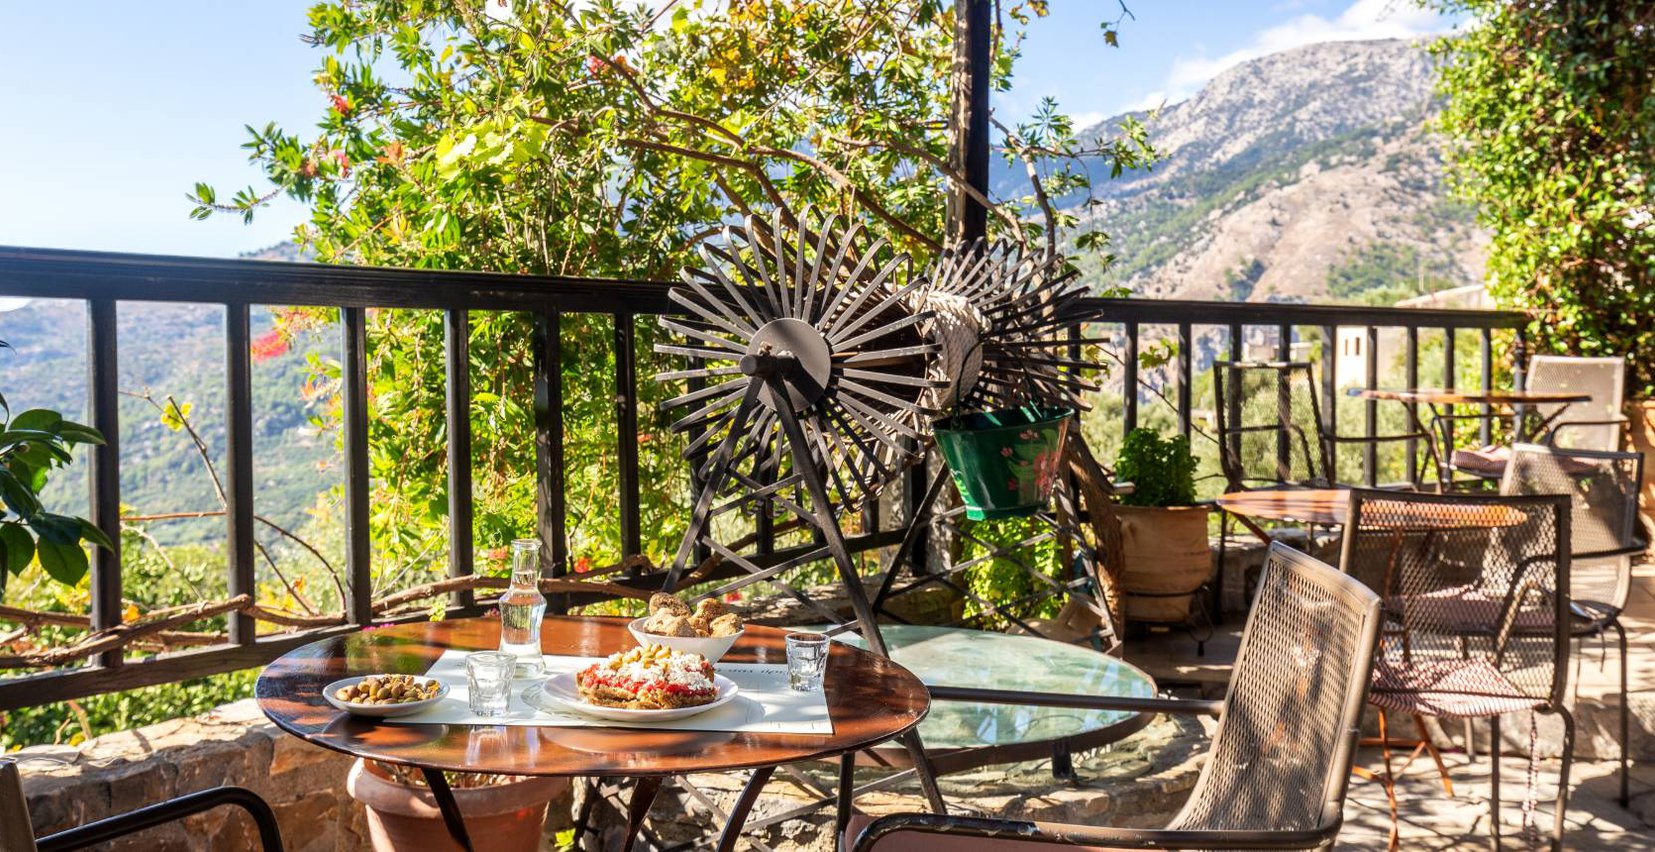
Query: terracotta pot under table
[
  {"x": 1167, "y": 558},
  {"x": 1641, "y": 435},
  {"x": 403, "y": 818}
]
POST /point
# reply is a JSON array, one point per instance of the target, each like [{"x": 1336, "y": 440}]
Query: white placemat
[{"x": 764, "y": 705}]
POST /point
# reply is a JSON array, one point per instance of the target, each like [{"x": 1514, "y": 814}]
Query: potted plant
[
  {"x": 1166, "y": 556},
  {"x": 509, "y": 811},
  {"x": 1005, "y": 461}
]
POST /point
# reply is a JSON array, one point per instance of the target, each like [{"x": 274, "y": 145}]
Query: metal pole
[{"x": 968, "y": 146}]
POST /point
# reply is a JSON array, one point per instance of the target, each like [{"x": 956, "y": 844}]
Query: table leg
[
  {"x": 643, "y": 795},
  {"x": 450, "y": 808},
  {"x": 847, "y": 795},
  {"x": 743, "y": 806},
  {"x": 927, "y": 777}
]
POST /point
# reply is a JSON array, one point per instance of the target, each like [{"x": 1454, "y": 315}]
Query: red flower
[
  {"x": 595, "y": 66},
  {"x": 269, "y": 345},
  {"x": 582, "y": 565},
  {"x": 341, "y": 105},
  {"x": 732, "y": 597},
  {"x": 342, "y": 158}
]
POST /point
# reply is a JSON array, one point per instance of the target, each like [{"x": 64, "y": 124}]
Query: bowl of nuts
[
  {"x": 709, "y": 628},
  {"x": 384, "y": 695}
]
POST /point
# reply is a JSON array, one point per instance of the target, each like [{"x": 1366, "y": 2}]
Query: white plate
[
  {"x": 561, "y": 692},
  {"x": 380, "y": 711}
]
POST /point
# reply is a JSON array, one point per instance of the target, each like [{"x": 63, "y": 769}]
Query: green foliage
[
  {"x": 1550, "y": 110},
  {"x": 33, "y": 443},
  {"x": 1161, "y": 469},
  {"x": 73, "y": 722},
  {"x": 604, "y": 140}
]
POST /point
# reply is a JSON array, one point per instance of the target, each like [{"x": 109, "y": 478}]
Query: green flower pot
[{"x": 1005, "y": 462}]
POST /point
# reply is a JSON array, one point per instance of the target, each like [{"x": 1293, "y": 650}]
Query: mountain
[
  {"x": 1306, "y": 175},
  {"x": 178, "y": 350}
]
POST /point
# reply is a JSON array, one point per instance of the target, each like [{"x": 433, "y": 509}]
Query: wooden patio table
[
  {"x": 1438, "y": 401},
  {"x": 1330, "y": 507},
  {"x": 870, "y": 700}
]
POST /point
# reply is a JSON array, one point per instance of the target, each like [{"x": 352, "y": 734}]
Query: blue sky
[{"x": 112, "y": 110}]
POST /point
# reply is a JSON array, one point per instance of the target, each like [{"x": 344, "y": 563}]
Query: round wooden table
[
  {"x": 870, "y": 700},
  {"x": 1439, "y": 401},
  {"x": 1330, "y": 507}
]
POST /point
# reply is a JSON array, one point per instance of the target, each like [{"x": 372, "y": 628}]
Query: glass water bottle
[{"x": 522, "y": 607}]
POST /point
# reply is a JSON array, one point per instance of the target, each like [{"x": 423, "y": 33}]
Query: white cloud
[
  {"x": 1090, "y": 118},
  {"x": 1363, "y": 20},
  {"x": 1153, "y": 100}
]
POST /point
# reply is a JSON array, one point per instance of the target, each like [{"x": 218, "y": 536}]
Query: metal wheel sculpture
[
  {"x": 820, "y": 376},
  {"x": 1009, "y": 323}
]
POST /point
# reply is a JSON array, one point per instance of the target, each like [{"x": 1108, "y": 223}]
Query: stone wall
[{"x": 233, "y": 745}]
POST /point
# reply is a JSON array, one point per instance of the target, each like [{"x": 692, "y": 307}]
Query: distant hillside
[
  {"x": 1302, "y": 176},
  {"x": 173, "y": 349}
]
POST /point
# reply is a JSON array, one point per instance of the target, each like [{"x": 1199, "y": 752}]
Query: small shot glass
[
  {"x": 488, "y": 681},
  {"x": 807, "y": 655}
]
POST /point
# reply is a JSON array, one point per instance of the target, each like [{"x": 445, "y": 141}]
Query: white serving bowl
[
  {"x": 379, "y": 710},
  {"x": 711, "y": 647}
]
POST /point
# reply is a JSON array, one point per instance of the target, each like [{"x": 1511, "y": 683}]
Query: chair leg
[
  {"x": 1470, "y": 744},
  {"x": 1436, "y": 756},
  {"x": 1494, "y": 779},
  {"x": 1626, "y": 717},
  {"x": 1217, "y": 601},
  {"x": 1390, "y": 781},
  {"x": 1558, "y": 823}
]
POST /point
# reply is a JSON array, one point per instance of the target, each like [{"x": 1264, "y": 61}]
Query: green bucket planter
[{"x": 1005, "y": 462}]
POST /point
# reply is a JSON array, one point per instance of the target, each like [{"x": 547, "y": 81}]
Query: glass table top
[{"x": 948, "y": 656}]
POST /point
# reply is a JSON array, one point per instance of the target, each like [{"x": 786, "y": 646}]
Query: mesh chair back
[
  {"x": 1603, "y": 378},
  {"x": 1475, "y": 592},
  {"x": 1269, "y": 425},
  {"x": 1282, "y": 752},
  {"x": 1603, "y": 493}
]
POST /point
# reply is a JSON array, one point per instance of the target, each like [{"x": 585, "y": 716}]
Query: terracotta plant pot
[
  {"x": 1166, "y": 559},
  {"x": 1641, "y": 434},
  {"x": 403, "y": 818}
]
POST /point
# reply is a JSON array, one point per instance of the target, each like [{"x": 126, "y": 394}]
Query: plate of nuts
[{"x": 384, "y": 695}]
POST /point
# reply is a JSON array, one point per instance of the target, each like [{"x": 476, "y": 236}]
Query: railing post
[
  {"x": 1284, "y": 402},
  {"x": 1129, "y": 382},
  {"x": 238, "y": 481},
  {"x": 1330, "y": 398},
  {"x": 102, "y": 365},
  {"x": 1370, "y": 420},
  {"x": 1185, "y": 378},
  {"x": 1449, "y": 373},
  {"x": 549, "y": 503},
  {"x": 1485, "y": 351},
  {"x": 626, "y": 429},
  {"x": 462, "y": 551},
  {"x": 358, "y": 475},
  {"x": 1410, "y": 369}
]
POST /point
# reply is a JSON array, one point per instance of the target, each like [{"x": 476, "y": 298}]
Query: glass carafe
[{"x": 522, "y": 607}]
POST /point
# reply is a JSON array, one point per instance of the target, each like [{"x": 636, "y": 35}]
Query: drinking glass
[
  {"x": 488, "y": 679},
  {"x": 807, "y": 655}
]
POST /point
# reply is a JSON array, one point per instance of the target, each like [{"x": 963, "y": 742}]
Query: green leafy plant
[
  {"x": 1548, "y": 110},
  {"x": 1162, "y": 470},
  {"x": 32, "y": 444}
]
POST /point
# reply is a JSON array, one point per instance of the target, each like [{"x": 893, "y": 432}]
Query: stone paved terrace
[{"x": 1140, "y": 781}]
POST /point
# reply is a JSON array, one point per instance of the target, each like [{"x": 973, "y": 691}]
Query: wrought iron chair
[
  {"x": 1280, "y": 759},
  {"x": 16, "y": 834},
  {"x": 1271, "y": 434},
  {"x": 1476, "y": 615},
  {"x": 1595, "y": 425},
  {"x": 1604, "y": 537}
]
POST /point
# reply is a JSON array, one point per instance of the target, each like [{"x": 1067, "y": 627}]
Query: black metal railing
[{"x": 103, "y": 280}]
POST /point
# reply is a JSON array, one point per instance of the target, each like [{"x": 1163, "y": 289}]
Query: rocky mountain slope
[{"x": 1308, "y": 175}]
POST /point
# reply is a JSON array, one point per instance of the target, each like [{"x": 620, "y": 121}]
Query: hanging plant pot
[{"x": 1006, "y": 461}]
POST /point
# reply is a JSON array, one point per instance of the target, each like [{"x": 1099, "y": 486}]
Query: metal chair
[
  {"x": 16, "y": 834},
  {"x": 1271, "y": 434},
  {"x": 1280, "y": 759},
  {"x": 1476, "y": 615},
  {"x": 1604, "y": 537},
  {"x": 1595, "y": 425}
]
